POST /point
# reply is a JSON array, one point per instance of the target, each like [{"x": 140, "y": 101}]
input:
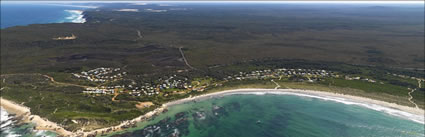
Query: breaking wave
[
  {"x": 394, "y": 112},
  {"x": 76, "y": 16},
  {"x": 10, "y": 127},
  {"x": 7, "y": 121}
]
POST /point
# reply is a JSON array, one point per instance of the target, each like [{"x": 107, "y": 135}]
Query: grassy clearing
[{"x": 62, "y": 104}]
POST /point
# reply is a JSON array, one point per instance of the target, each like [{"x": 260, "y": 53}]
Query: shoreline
[
  {"x": 414, "y": 114},
  {"x": 77, "y": 16},
  {"x": 406, "y": 112},
  {"x": 25, "y": 113}
]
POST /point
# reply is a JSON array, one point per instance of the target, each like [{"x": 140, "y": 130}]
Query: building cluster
[
  {"x": 169, "y": 83},
  {"x": 101, "y": 90},
  {"x": 174, "y": 82},
  {"x": 101, "y": 74},
  {"x": 162, "y": 84},
  {"x": 347, "y": 77},
  {"x": 311, "y": 74},
  {"x": 405, "y": 76},
  {"x": 177, "y": 83},
  {"x": 66, "y": 37},
  {"x": 145, "y": 89}
]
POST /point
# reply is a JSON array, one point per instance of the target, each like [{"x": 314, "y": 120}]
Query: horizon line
[{"x": 225, "y": 1}]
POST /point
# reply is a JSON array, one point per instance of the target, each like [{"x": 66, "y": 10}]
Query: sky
[
  {"x": 221, "y": 1},
  {"x": 353, "y": 1}
]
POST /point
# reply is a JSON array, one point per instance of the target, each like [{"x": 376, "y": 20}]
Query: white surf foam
[
  {"x": 395, "y": 112},
  {"x": 6, "y": 124},
  {"x": 76, "y": 16}
]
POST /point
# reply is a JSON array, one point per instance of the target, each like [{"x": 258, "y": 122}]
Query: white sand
[
  {"x": 411, "y": 113},
  {"x": 41, "y": 124},
  {"x": 406, "y": 112}
]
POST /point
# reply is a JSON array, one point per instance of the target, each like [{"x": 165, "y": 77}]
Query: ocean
[
  {"x": 273, "y": 116},
  {"x": 13, "y": 14},
  {"x": 257, "y": 115}
]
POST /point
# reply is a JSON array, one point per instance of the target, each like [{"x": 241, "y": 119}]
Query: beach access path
[{"x": 410, "y": 94}]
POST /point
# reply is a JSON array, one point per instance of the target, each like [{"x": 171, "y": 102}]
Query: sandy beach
[
  {"x": 322, "y": 94},
  {"x": 25, "y": 113},
  {"x": 406, "y": 112},
  {"x": 411, "y": 113}
]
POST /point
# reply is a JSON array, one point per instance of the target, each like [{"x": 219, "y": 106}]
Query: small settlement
[
  {"x": 311, "y": 74},
  {"x": 405, "y": 76},
  {"x": 66, "y": 37},
  {"x": 175, "y": 84},
  {"x": 101, "y": 74}
]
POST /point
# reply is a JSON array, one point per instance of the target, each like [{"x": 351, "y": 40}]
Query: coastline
[
  {"x": 56, "y": 14},
  {"x": 77, "y": 16},
  {"x": 25, "y": 113},
  {"x": 414, "y": 114},
  {"x": 406, "y": 112}
]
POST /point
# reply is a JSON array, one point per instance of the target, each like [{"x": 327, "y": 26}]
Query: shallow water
[{"x": 273, "y": 115}]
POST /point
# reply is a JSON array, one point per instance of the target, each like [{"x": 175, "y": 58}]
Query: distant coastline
[
  {"x": 27, "y": 14},
  {"x": 405, "y": 112}
]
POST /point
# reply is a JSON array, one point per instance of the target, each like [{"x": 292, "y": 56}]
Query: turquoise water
[
  {"x": 273, "y": 116},
  {"x": 13, "y": 14}
]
